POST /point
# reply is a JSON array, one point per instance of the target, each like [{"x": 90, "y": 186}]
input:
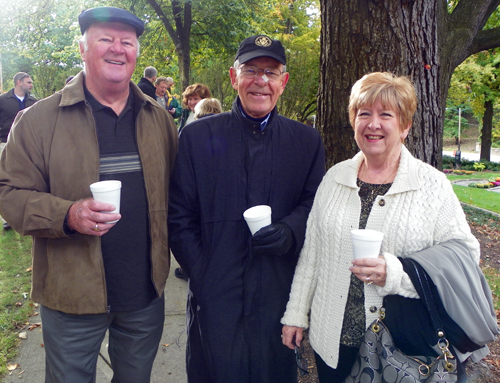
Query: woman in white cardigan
[{"x": 382, "y": 188}]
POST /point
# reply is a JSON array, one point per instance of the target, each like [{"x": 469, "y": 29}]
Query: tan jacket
[{"x": 51, "y": 158}]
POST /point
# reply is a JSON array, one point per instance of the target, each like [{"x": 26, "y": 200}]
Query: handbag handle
[
  {"x": 430, "y": 304},
  {"x": 428, "y": 300}
]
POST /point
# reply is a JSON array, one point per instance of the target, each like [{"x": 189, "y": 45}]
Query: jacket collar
[
  {"x": 73, "y": 93},
  {"x": 237, "y": 109},
  {"x": 407, "y": 178}
]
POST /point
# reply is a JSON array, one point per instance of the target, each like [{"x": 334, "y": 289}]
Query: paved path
[{"x": 169, "y": 365}]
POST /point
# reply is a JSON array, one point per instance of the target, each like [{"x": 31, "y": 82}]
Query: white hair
[{"x": 84, "y": 42}]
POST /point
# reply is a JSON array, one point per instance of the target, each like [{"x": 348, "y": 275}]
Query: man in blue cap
[
  {"x": 94, "y": 270},
  {"x": 239, "y": 284}
]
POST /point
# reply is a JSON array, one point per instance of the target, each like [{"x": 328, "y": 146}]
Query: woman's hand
[
  {"x": 292, "y": 336},
  {"x": 370, "y": 270}
]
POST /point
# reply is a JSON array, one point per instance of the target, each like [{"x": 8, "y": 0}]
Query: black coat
[
  {"x": 147, "y": 87},
  {"x": 9, "y": 107},
  {"x": 224, "y": 166}
]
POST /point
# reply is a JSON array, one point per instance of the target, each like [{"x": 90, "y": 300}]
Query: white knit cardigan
[{"x": 419, "y": 210}]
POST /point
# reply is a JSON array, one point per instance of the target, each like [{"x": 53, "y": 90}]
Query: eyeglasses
[
  {"x": 300, "y": 364},
  {"x": 252, "y": 71}
]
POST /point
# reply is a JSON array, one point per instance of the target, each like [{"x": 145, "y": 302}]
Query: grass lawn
[
  {"x": 15, "y": 280},
  {"x": 481, "y": 198}
]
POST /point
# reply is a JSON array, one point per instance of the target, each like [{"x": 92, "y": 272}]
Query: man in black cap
[
  {"x": 239, "y": 284},
  {"x": 94, "y": 270}
]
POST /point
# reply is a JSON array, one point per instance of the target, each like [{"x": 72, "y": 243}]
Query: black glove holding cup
[{"x": 274, "y": 239}]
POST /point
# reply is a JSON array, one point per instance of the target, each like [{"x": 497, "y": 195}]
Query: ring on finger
[
  {"x": 96, "y": 228},
  {"x": 368, "y": 281}
]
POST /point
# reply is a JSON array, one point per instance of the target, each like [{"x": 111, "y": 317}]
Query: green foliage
[
  {"x": 15, "y": 280},
  {"x": 451, "y": 120},
  {"x": 478, "y": 166},
  {"x": 475, "y": 81},
  {"x": 449, "y": 163}
]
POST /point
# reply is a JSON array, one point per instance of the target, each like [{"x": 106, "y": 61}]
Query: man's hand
[
  {"x": 171, "y": 111},
  {"x": 85, "y": 217},
  {"x": 274, "y": 239}
]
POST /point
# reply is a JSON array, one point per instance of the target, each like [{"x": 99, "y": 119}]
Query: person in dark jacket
[
  {"x": 146, "y": 83},
  {"x": 239, "y": 284},
  {"x": 13, "y": 101}
]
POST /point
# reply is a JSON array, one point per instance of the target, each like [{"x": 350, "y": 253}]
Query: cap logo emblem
[{"x": 263, "y": 41}]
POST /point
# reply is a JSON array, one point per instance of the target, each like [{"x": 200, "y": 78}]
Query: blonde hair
[
  {"x": 199, "y": 89},
  {"x": 206, "y": 107},
  {"x": 393, "y": 92}
]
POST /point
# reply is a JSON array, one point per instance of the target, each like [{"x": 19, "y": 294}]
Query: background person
[
  {"x": 386, "y": 189},
  {"x": 11, "y": 103},
  {"x": 165, "y": 98},
  {"x": 227, "y": 163},
  {"x": 207, "y": 107},
  {"x": 173, "y": 106},
  {"x": 190, "y": 97},
  {"x": 146, "y": 83},
  {"x": 89, "y": 275}
]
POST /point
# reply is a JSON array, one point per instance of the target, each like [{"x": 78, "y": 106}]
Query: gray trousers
[{"x": 72, "y": 343}]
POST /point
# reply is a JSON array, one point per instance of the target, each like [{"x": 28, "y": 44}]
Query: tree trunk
[
  {"x": 181, "y": 17},
  {"x": 486, "y": 131},
  {"x": 418, "y": 39}
]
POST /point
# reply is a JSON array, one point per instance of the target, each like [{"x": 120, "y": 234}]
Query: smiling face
[
  {"x": 378, "y": 133},
  {"x": 258, "y": 97},
  {"x": 193, "y": 100},
  {"x": 111, "y": 53}
]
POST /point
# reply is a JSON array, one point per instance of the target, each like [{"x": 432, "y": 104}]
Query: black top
[{"x": 126, "y": 246}]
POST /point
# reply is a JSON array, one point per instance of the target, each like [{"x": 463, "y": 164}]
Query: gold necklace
[{"x": 376, "y": 190}]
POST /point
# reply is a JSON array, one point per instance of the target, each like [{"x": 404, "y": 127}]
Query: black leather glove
[{"x": 274, "y": 239}]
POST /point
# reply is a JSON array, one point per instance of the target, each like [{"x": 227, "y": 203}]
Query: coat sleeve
[
  {"x": 25, "y": 199},
  {"x": 297, "y": 219},
  {"x": 178, "y": 110},
  {"x": 184, "y": 211}
]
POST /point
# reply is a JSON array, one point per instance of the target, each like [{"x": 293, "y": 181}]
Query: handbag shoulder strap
[{"x": 420, "y": 280}]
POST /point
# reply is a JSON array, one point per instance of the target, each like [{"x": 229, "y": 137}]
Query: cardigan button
[
  {"x": 381, "y": 202},
  {"x": 373, "y": 309}
]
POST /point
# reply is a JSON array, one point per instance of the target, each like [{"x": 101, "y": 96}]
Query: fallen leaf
[
  {"x": 28, "y": 270},
  {"x": 22, "y": 335},
  {"x": 166, "y": 344},
  {"x": 19, "y": 304},
  {"x": 12, "y": 367},
  {"x": 34, "y": 325}
]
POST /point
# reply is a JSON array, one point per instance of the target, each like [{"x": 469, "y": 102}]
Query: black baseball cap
[
  {"x": 119, "y": 15},
  {"x": 260, "y": 46}
]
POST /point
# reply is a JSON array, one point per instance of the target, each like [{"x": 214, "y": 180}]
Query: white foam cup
[
  {"x": 366, "y": 243},
  {"x": 109, "y": 192},
  {"x": 257, "y": 217}
]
